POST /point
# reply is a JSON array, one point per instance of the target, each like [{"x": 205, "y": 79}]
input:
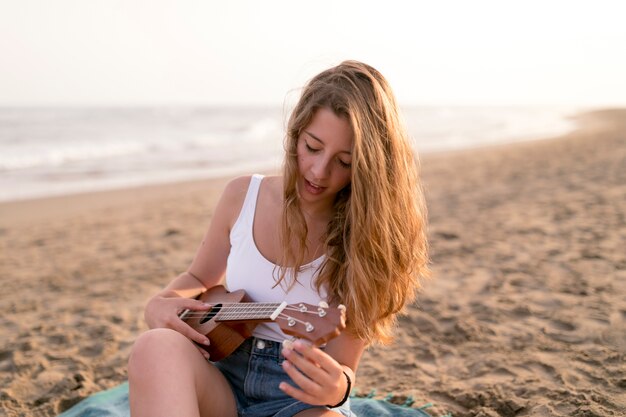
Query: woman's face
[{"x": 324, "y": 157}]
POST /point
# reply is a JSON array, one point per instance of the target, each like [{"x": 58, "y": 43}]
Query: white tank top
[{"x": 249, "y": 270}]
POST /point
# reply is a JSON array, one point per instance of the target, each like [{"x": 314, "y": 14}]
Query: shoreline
[
  {"x": 442, "y": 131},
  {"x": 122, "y": 194},
  {"x": 525, "y": 313}
]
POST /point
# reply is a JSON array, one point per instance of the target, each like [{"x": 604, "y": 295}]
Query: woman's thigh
[{"x": 166, "y": 371}]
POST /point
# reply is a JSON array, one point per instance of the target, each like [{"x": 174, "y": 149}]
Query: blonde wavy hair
[{"x": 376, "y": 246}]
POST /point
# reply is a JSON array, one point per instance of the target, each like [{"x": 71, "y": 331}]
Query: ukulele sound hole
[{"x": 211, "y": 313}]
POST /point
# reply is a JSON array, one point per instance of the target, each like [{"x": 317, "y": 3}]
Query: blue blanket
[{"x": 114, "y": 403}]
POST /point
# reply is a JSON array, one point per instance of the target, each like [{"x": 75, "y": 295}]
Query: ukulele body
[{"x": 225, "y": 337}]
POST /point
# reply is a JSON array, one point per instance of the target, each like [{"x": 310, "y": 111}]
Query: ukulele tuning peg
[{"x": 321, "y": 310}]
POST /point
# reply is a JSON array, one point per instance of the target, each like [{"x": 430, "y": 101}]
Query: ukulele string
[
  {"x": 197, "y": 314},
  {"x": 230, "y": 307},
  {"x": 267, "y": 309}
]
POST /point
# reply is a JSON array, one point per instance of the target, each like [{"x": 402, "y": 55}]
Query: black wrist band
[{"x": 345, "y": 397}]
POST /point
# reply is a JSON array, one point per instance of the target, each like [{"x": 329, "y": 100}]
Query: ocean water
[{"x": 55, "y": 151}]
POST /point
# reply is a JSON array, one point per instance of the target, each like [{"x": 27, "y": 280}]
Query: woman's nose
[{"x": 321, "y": 168}]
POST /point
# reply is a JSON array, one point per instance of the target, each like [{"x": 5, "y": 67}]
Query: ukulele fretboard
[{"x": 249, "y": 311}]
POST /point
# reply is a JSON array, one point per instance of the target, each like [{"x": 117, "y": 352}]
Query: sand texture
[{"x": 525, "y": 314}]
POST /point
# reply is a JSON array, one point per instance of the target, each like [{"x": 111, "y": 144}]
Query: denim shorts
[{"x": 254, "y": 371}]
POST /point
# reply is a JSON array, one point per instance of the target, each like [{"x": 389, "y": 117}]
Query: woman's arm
[
  {"x": 206, "y": 270},
  {"x": 209, "y": 264}
]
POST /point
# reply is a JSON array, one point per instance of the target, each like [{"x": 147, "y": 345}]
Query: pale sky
[{"x": 436, "y": 52}]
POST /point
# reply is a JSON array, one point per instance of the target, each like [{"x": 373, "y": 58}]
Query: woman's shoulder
[
  {"x": 241, "y": 184},
  {"x": 273, "y": 185},
  {"x": 237, "y": 188},
  {"x": 238, "y": 184}
]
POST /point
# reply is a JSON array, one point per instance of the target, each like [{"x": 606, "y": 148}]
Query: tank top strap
[{"x": 249, "y": 204}]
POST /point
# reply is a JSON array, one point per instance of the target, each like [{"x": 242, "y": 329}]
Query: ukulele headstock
[{"x": 317, "y": 324}]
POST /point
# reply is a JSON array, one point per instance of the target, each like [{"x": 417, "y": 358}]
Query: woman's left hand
[{"x": 319, "y": 376}]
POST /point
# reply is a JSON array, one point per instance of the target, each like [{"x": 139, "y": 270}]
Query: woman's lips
[{"x": 312, "y": 188}]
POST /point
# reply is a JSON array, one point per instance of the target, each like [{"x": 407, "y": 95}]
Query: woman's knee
[{"x": 157, "y": 345}]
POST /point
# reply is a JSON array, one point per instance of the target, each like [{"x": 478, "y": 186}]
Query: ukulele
[{"x": 233, "y": 317}]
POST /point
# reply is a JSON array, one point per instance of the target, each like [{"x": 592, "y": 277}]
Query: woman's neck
[{"x": 317, "y": 214}]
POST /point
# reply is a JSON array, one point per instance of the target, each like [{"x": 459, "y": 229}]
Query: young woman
[{"x": 345, "y": 224}]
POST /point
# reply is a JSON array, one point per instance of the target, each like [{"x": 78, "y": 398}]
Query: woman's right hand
[{"x": 163, "y": 310}]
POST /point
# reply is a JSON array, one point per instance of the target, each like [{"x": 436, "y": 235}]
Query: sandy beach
[{"x": 525, "y": 314}]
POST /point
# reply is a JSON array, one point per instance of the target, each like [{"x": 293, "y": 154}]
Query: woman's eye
[
  {"x": 310, "y": 149},
  {"x": 344, "y": 164}
]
